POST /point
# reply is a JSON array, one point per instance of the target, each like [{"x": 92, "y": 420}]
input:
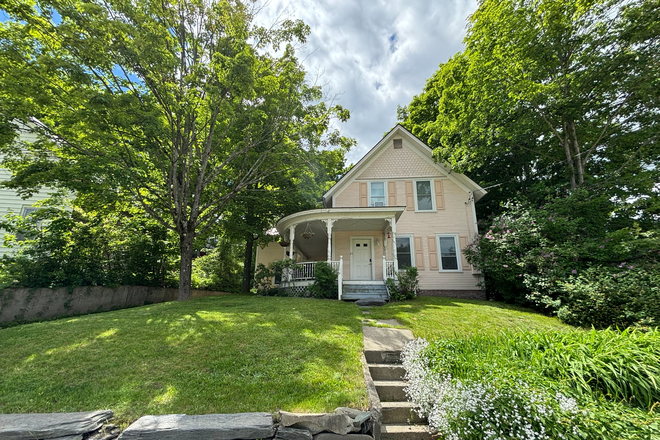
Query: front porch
[{"x": 360, "y": 243}]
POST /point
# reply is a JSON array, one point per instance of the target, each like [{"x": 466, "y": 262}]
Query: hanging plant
[{"x": 308, "y": 233}]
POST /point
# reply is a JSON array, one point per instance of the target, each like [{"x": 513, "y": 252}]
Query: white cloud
[{"x": 375, "y": 54}]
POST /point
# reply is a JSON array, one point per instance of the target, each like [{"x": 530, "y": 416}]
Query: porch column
[
  {"x": 292, "y": 235},
  {"x": 328, "y": 224},
  {"x": 393, "y": 225}
]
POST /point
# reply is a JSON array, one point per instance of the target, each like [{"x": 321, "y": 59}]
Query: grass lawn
[
  {"x": 432, "y": 318},
  {"x": 222, "y": 354}
]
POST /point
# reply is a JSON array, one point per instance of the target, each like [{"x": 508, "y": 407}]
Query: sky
[{"x": 372, "y": 55}]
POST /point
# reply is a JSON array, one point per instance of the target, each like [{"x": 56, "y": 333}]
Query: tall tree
[
  {"x": 177, "y": 105},
  {"x": 557, "y": 91}
]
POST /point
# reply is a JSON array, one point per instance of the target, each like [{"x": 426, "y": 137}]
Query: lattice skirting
[{"x": 298, "y": 291}]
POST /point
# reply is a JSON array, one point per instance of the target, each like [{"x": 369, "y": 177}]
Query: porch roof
[
  {"x": 343, "y": 219},
  {"x": 360, "y": 213}
]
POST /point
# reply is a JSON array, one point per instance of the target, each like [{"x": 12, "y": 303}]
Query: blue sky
[{"x": 374, "y": 54}]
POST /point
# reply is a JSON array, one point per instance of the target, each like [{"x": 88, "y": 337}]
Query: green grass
[
  {"x": 432, "y": 318},
  {"x": 223, "y": 354},
  {"x": 212, "y": 355}
]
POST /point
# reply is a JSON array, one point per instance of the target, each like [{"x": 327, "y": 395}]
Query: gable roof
[{"x": 423, "y": 150}]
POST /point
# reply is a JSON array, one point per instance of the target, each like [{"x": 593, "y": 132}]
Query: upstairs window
[
  {"x": 424, "y": 195},
  {"x": 377, "y": 194}
]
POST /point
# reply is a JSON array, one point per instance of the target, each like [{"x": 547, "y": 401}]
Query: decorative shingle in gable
[{"x": 399, "y": 163}]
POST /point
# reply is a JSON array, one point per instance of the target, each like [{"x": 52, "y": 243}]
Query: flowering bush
[
  {"x": 529, "y": 386},
  {"x": 539, "y": 256}
]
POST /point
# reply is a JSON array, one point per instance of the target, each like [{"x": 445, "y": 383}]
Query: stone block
[
  {"x": 284, "y": 433},
  {"x": 50, "y": 426},
  {"x": 350, "y": 412},
  {"x": 328, "y": 436},
  {"x": 315, "y": 423},
  {"x": 203, "y": 427}
]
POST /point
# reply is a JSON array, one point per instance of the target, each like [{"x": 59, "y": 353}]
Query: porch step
[{"x": 352, "y": 292}]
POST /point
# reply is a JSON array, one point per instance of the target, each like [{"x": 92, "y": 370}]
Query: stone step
[
  {"x": 391, "y": 390},
  {"x": 404, "y": 432},
  {"x": 387, "y": 371},
  {"x": 401, "y": 413},
  {"x": 383, "y": 356}
]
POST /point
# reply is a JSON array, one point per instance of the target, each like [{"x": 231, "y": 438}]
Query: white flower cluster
[{"x": 473, "y": 409}]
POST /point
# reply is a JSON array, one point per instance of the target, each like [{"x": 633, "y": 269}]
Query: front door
[{"x": 360, "y": 258}]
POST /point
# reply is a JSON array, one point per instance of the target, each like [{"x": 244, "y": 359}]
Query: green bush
[
  {"x": 407, "y": 286},
  {"x": 57, "y": 247},
  {"x": 325, "y": 281},
  {"x": 578, "y": 384},
  {"x": 220, "y": 269},
  {"x": 603, "y": 296},
  {"x": 264, "y": 276},
  {"x": 550, "y": 257}
]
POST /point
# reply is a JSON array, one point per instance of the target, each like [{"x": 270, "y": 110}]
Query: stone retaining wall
[
  {"x": 343, "y": 424},
  {"x": 26, "y": 305}
]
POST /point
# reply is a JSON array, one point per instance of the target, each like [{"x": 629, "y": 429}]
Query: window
[
  {"x": 27, "y": 210},
  {"x": 424, "y": 195},
  {"x": 448, "y": 252},
  {"x": 404, "y": 251},
  {"x": 377, "y": 194}
]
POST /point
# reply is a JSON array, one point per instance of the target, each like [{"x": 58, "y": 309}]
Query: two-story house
[{"x": 396, "y": 207}]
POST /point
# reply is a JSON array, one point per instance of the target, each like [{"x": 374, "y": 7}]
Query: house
[
  {"x": 10, "y": 201},
  {"x": 396, "y": 207}
]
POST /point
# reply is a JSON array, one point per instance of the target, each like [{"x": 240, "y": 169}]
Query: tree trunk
[
  {"x": 185, "y": 268},
  {"x": 569, "y": 157},
  {"x": 247, "y": 264}
]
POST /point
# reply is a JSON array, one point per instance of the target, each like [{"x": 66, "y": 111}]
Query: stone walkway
[{"x": 382, "y": 351}]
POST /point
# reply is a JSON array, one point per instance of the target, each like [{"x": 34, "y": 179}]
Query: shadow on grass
[{"x": 219, "y": 354}]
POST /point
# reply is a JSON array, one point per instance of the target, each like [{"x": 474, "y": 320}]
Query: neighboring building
[
  {"x": 397, "y": 194},
  {"x": 11, "y": 202}
]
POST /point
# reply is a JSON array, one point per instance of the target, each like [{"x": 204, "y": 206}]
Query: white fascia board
[{"x": 338, "y": 214}]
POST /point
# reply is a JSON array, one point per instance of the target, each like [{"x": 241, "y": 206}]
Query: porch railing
[
  {"x": 305, "y": 272},
  {"x": 388, "y": 269}
]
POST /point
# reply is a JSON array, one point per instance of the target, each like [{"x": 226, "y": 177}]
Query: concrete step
[
  {"x": 391, "y": 390},
  {"x": 362, "y": 295},
  {"x": 401, "y": 413},
  {"x": 387, "y": 371},
  {"x": 383, "y": 356},
  {"x": 405, "y": 432}
]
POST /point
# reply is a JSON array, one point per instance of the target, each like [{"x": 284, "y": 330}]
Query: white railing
[
  {"x": 304, "y": 271},
  {"x": 335, "y": 265},
  {"x": 340, "y": 275},
  {"x": 389, "y": 270}
]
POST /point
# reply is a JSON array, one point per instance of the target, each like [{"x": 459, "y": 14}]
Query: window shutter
[
  {"x": 410, "y": 196},
  {"x": 419, "y": 253},
  {"x": 391, "y": 193},
  {"x": 433, "y": 252},
  {"x": 463, "y": 242},
  {"x": 439, "y": 195},
  {"x": 364, "y": 194}
]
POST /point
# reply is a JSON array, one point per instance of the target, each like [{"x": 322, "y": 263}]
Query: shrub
[
  {"x": 604, "y": 296},
  {"x": 597, "y": 384},
  {"x": 77, "y": 248},
  {"x": 549, "y": 257},
  {"x": 264, "y": 276},
  {"x": 220, "y": 269},
  {"x": 325, "y": 281},
  {"x": 407, "y": 286}
]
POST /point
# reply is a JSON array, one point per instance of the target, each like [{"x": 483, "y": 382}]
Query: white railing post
[
  {"x": 340, "y": 276},
  {"x": 384, "y": 268}
]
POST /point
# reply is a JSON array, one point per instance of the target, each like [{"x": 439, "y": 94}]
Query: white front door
[{"x": 360, "y": 258}]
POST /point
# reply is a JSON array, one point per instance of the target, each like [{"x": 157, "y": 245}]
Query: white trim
[
  {"x": 410, "y": 237},
  {"x": 350, "y": 243},
  {"x": 384, "y": 182},
  {"x": 338, "y": 214},
  {"x": 458, "y": 253},
  {"x": 334, "y": 246},
  {"x": 431, "y": 184}
]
